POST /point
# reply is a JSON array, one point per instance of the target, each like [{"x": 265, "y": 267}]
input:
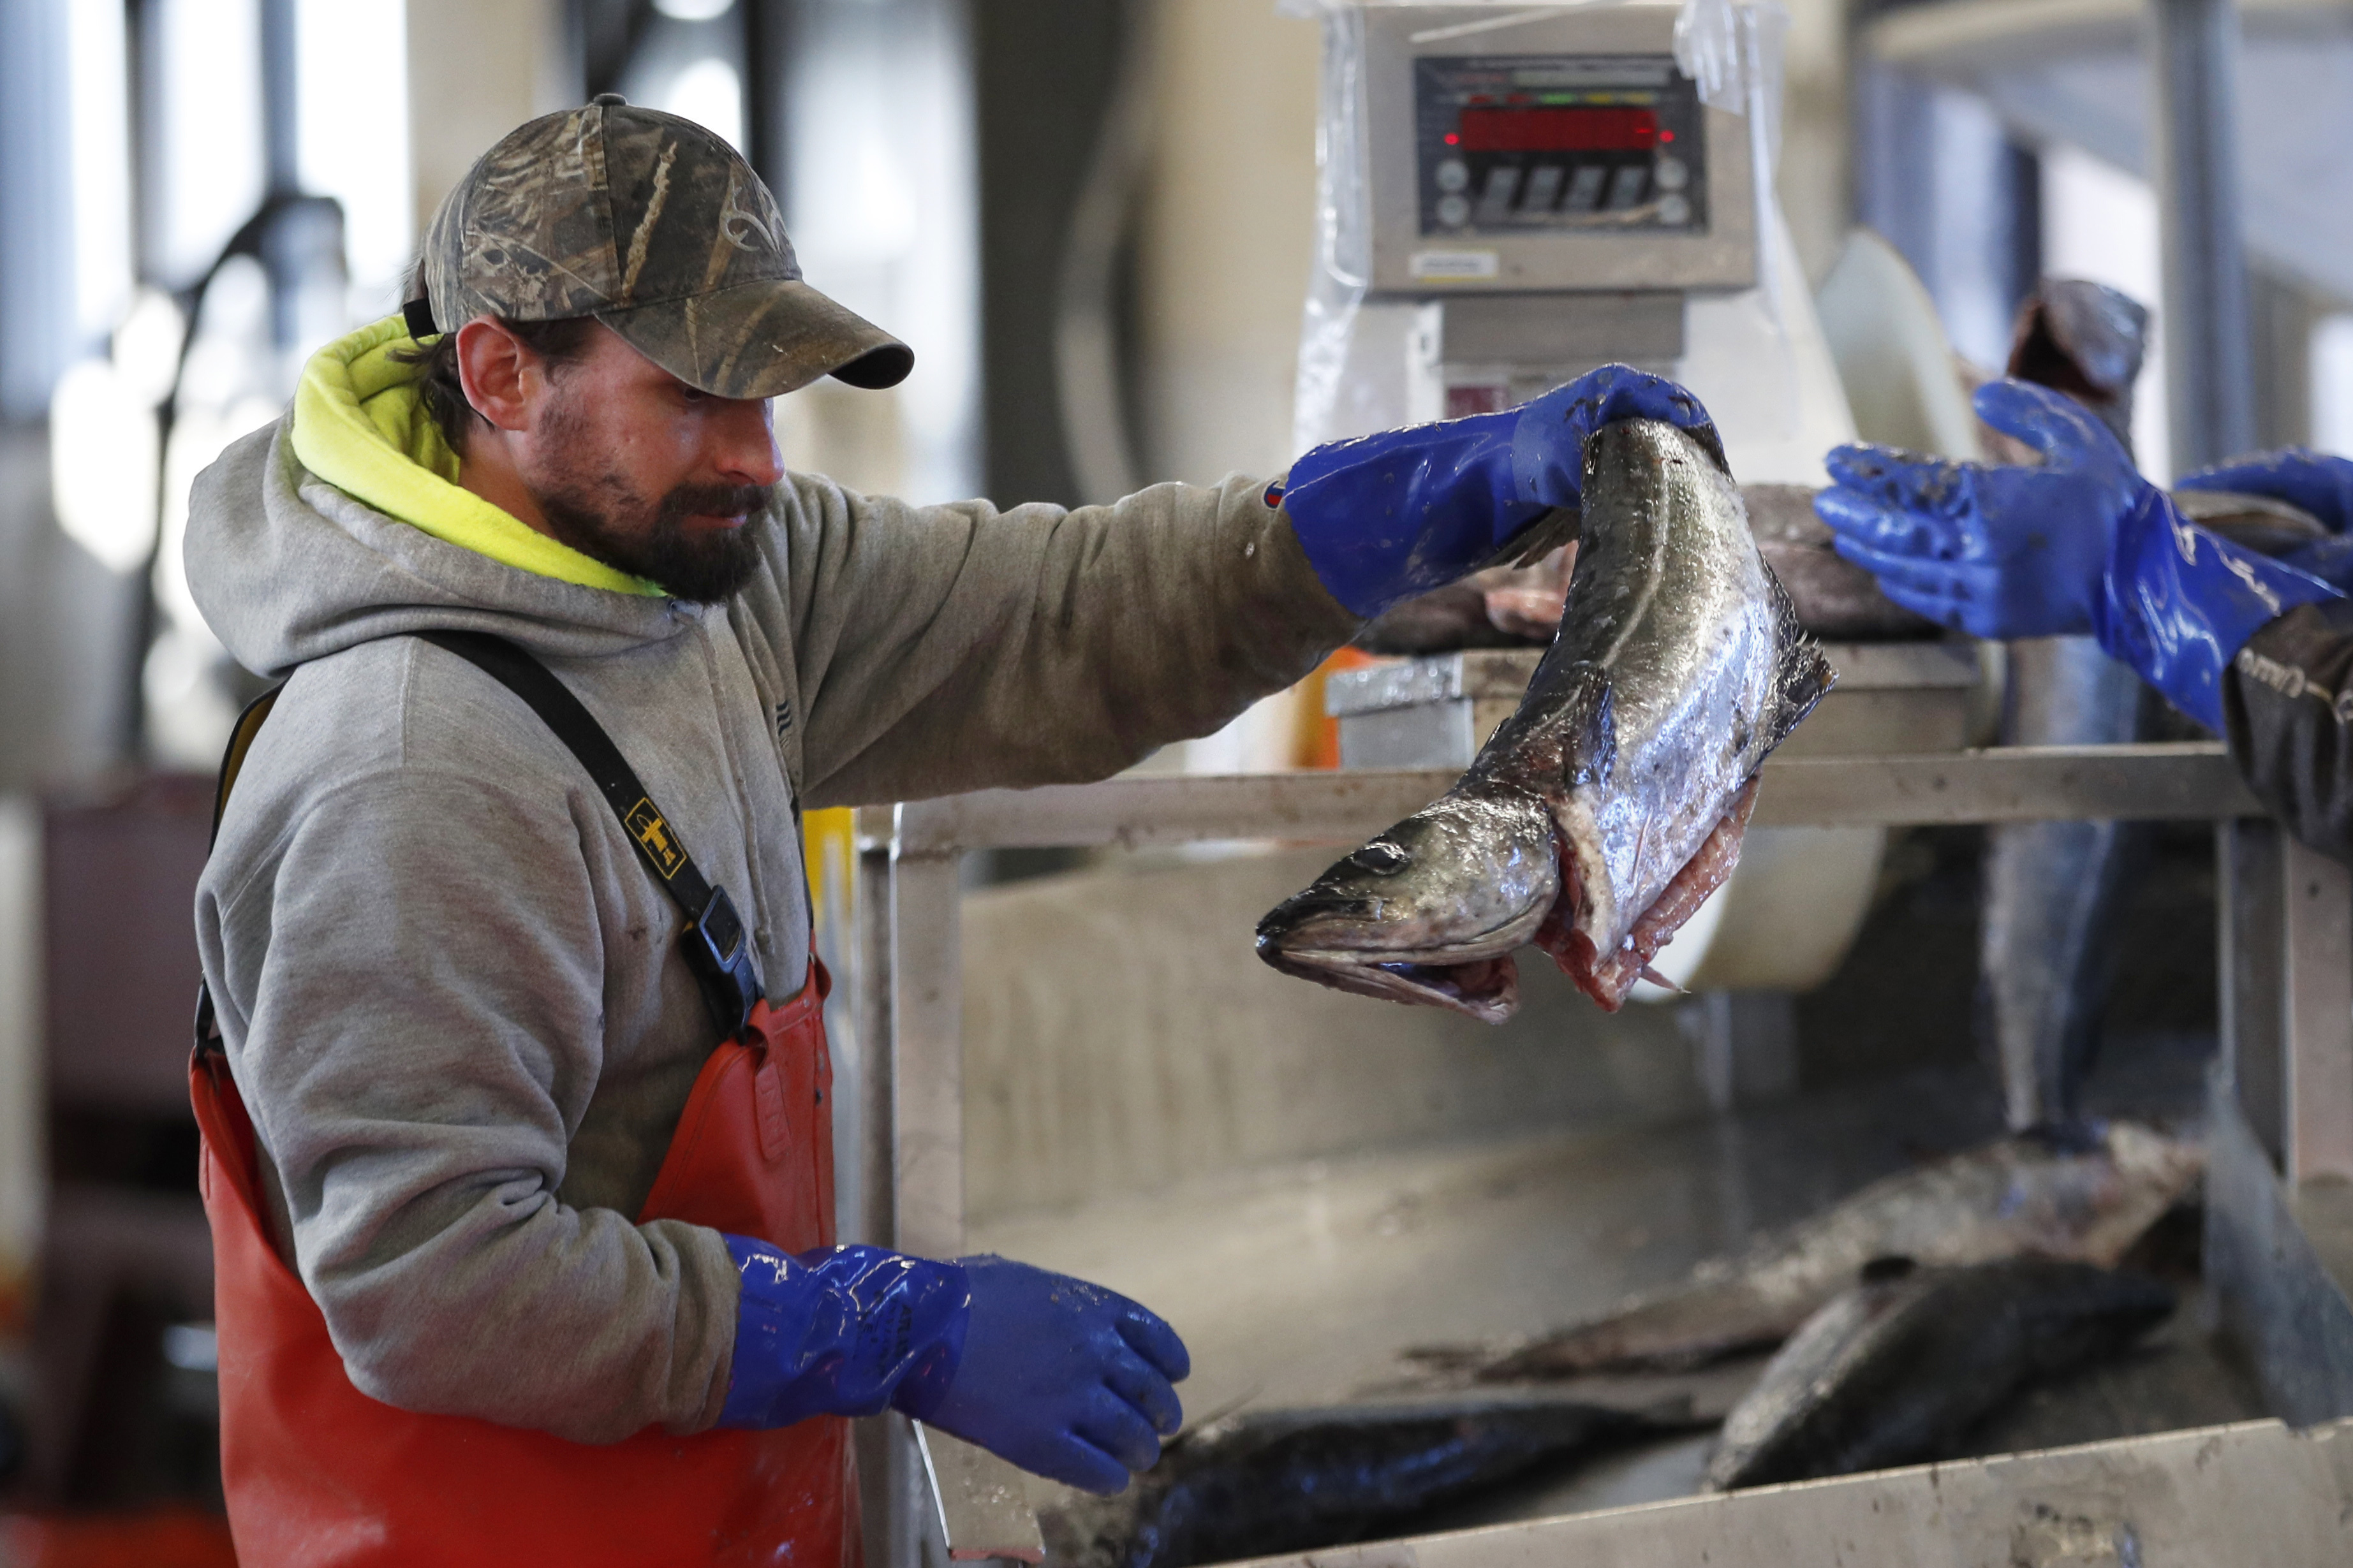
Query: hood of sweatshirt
[{"x": 343, "y": 523}]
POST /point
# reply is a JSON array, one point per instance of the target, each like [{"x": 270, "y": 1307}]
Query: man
[
  {"x": 2258, "y": 650},
  {"x": 516, "y": 1143}
]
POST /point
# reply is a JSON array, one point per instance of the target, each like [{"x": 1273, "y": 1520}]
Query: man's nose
[{"x": 747, "y": 444}]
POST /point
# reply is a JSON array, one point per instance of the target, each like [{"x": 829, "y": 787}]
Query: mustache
[{"x": 711, "y": 501}]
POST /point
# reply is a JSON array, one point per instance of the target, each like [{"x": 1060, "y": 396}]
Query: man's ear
[{"x": 503, "y": 379}]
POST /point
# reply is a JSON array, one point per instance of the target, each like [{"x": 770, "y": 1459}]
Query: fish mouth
[
  {"x": 1487, "y": 989},
  {"x": 1475, "y": 977}
]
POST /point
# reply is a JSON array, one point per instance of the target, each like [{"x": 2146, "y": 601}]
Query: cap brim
[{"x": 762, "y": 340}]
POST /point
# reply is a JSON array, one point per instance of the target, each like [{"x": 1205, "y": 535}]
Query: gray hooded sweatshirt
[{"x": 451, "y": 994}]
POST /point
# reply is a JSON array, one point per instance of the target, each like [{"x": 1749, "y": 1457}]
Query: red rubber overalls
[{"x": 319, "y": 1474}]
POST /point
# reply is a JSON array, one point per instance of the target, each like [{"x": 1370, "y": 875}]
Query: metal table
[{"x": 2279, "y": 1214}]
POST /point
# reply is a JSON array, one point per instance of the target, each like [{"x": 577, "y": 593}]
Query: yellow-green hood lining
[{"x": 360, "y": 424}]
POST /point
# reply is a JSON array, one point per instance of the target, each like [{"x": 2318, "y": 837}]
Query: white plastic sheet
[{"x": 1351, "y": 377}]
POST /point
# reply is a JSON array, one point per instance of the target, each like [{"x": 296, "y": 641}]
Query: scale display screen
[
  {"x": 1558, "y": 130},
  {"x": 1530, "y": 145}
]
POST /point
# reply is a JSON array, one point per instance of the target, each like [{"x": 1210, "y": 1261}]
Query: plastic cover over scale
[{"x": 1756, "y": 357}]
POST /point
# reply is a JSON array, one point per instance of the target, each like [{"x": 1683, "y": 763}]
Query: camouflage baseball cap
[{"x": 658, "y": 228}]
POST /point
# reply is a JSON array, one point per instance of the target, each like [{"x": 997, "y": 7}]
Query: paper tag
[{"x": 1456, "y": 264}]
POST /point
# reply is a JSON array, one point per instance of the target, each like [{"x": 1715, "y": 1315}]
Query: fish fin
[
  {"x": 1660, "y": 981},
  {"x": 1802, "y": 674}
]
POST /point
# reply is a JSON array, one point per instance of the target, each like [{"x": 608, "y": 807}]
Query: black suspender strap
[
  {"x": 713, "y": 941},
  {"x": 573, "y": 725},
  {"x": 240, "y": 741}
]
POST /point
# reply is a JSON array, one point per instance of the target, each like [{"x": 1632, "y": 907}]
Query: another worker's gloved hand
[
  {"x": 2081, "y": 544},
  {"x": 1061, "y": 1377},
  {"x": 1996, "y": 551},
  {"x": 1386, "y": 517},
  {"x": 2318, "y": 483},
  {"x": 1057, "y": 1376}
]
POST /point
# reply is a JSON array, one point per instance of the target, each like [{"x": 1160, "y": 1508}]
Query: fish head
[{"x": 1429, "y": 911}]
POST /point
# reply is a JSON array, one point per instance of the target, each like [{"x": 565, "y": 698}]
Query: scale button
[
  {"x": 1671, "y": 173},
  {"x": 1453, "y": 175},
  {"x": 1495, "y": 201},
  {"x": 1544, "y": 190},
  {"x": 1674, "y": 210},
  {"x": 1453, "y": 210}
]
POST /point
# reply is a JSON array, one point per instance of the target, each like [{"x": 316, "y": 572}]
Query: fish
[
  {"x": 2085, "y": 340},
  {"x": 1443, "y": 620},
  {"x": 2014, "y": 1197},
  {"x": 1601, "y": 813},
  {"x": 1895, "y": 1369},
  {"x": 1835, "y": 598},
  {"x": 1273, "y": 1482},
  {"x": 2264, "y": 524},
  {"x": 1519, "y": 604},
  {"x": 2054, "y": 890}
]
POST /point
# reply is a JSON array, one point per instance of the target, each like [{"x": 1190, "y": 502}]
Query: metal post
[
  {"x": 2251, "y": 910},
  {"x": 2209, "y": 375},
  {"x": 2319, "y": 978},
  {"x": 870, "y": 1014},
  {"x": 927, "y": 1051}
]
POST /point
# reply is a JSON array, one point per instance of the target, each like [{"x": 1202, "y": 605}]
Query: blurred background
[{"x": 1092, "y": 219}]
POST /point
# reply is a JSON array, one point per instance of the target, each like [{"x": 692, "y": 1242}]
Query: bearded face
[{"x": 592, "y": 506}]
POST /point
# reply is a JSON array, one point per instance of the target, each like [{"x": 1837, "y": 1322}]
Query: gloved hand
[
  {"x": 1996, "y": 551},
  {"x": 1061, "y": 1377},
  {"x": 2081, "y": 544},
  {"x": 1055, "y": 1374},
  {"x": 2320, "y": 484},
  {"x": 1388, "y": 516}
]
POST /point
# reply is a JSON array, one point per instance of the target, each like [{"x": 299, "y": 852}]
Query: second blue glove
[{"x": 1061, "y": 1377}]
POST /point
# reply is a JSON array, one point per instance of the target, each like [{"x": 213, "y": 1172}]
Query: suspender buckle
[{"x": 720, "y": 960}]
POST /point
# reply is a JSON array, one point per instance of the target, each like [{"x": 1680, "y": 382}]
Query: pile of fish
[
  {"x": 1904, "y": 1315},
  {"x": 1891, "y": 1370},
  {"x": 1600, "y": 815},
  {"x": 2017, "y": 1197},
  {"x": 1275, "y": 1481}
]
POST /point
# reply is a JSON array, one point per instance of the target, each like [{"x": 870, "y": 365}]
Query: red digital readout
[{"x": 1558, "y": 130}]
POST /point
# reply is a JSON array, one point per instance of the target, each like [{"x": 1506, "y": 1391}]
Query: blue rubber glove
[
  {"x": 1060, "y": 1377},
  {"x": 2320, "y": 484},
  {"x": 1055, "y": 1374},
  {"x": 2081, "y": 544},
  {"x": 1996, "y": 551},
  {"x": 843, "y": 1331},
  {"x": 1388, "y": 516}
]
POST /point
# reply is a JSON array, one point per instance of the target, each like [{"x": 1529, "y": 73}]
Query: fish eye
[{"x": 1381, "y": 857}]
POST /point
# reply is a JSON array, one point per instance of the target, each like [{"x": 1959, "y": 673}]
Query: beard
[{"x": 599, "y": 513}]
